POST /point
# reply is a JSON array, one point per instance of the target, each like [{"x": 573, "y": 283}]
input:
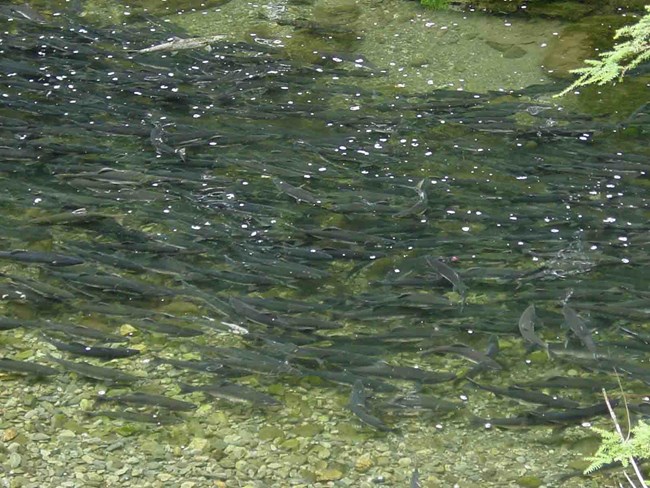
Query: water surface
[{"x": 278, "y": 213}]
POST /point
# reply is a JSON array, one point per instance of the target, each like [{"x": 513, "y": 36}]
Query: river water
[{"x": 327, "y": 220}]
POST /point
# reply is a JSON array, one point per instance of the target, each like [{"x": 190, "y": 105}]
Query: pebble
[
  {"x": 383, "y": 461},
  {"x": 15, "y": 460},
  {"x": 324, "y": 453},
  {"x": 270, "y": 432},
  {"x": 329, "y": 474},
  {"x": 404, "y": 462},
  {"x": 9, "y": 434},
  {"x": 199, "y": 444},
  {"x": 363, "y": 463}
]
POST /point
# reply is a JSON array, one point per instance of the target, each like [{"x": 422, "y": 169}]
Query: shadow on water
[{"x": 253, "y": 271}]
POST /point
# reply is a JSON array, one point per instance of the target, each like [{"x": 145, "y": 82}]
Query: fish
[
  {"x": 278, "y": 267},
  {"x": 306, "y": 253},
  {"x": 77, "y": 330},
  {"x": 450, "y": 275},
  {"x": 491, "y": 351},
  {"x": 116, "y": 309},
  {"x": 357, "y": 405},
  {"x": 644, "y": 338},
  {"x": 285, "y": 305},
  {"x": 53, "y": 259},
  {"x": 116, "y": 284},
  {"x": 78, "y": 217},
  {"x": 344, "y": 235},
  {"x": 41, "y": 289},
  {"x": 346, "y": 378},
  {"x": 570, "y": 382},
  {"x": 328, "y": 30},
  {"x": 240, "y": 359},
  {"x": 333, "y": 355},
  {"x": 95, "y": 372},
  {"x": 7, "y": 324},
  {"x": 467, "y": 352},
  {"x": 203, "y": 366},
  {"x": 178, "y": 44},
  {"x": 26, "y": 367},
  {"x": 354, "y": 254},
  {"x": 243, "y": 278},
  {"x": 385, "y": 370},
  {"x": 415, "y": 479},
  {"x": 302, "y": 323},
  {"x": 527, "y": 328},
  {"x": 150, "y": 400},
  {"x": 232, "y": 392},
  {"x": 626, "y": 345},
  {"x": 109, "y": 259},
  {"x": 419, "y": 300},
  {"x": 156, "y": 137},
  {"x": 576, "y": 413},
  {"x": 399, "y": 335},
  {"x": 527, "y": 395},
  {"x": 420, "y": 207},
  {"x": 141, "y": 417},
  {"x": 419, "y": 401},
  {"x": 93, "y": 351},
  {"x": 295, "y": 192},
  {"x": 254, "y": 315},
  {"x": 548, "y": 418},
  {"x": 579, "y": 328},
  {"x": 163, "y": 327},
  {"x": 26, "y": 12}
]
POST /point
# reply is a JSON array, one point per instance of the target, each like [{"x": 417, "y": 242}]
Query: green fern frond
[
  {"x": 614, "y": 449},
  {"x": 624, "y": 57}
]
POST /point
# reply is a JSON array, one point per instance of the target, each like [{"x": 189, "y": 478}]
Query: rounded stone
[
  {"x": 9, "y": 434},
  {"x": 15, "y": 460},
  {"x": 529, "y": 482},
  {"x": 363, "y": 463},
  {"x": 329, "y": 474}
]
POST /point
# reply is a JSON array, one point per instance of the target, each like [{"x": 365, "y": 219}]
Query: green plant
[
  {"x": 435, "y": 4},
  {"x": 616, "y": 447},
  {"x": 623, "y": 57}
]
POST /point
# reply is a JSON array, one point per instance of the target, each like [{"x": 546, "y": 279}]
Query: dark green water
[{"x": 283, "y": 220}]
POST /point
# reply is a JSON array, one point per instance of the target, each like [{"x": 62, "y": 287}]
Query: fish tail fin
[
  {"x": 101, "y": 399},
  {"x": 478, "y": 422},
  {"x": 185, "y": 388},
  {"x": 548, "y": 351}
]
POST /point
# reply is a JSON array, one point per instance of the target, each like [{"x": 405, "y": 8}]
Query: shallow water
[{"x": 278, "y": 212}]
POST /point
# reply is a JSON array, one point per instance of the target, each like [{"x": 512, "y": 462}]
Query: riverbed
[{"x": 332, "y": 218}]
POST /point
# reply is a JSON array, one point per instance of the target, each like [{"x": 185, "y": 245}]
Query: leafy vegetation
[
  {"x": 622, "y": 58},
  {"x": 617, "y": 449},
  {"x": 435, "y": 4},
  {"x": 624, "y": 449}
]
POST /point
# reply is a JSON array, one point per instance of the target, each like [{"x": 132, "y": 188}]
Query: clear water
[{"x": 311, "y": 171}]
